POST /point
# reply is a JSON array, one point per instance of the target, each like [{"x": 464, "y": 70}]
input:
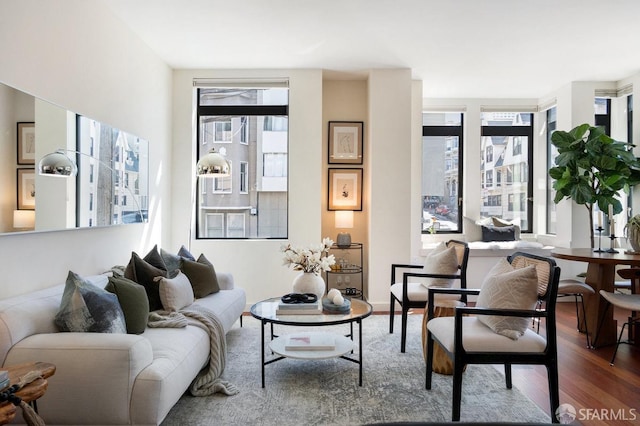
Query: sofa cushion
[
  {"x": 144, "y": 273},
  {"x": 133, "y": 301},
  {"x": 155, "y": 259},
  {"x": 202, "y": 276},
  {"x": 498, "y": 233},
  {"x": 172, "y": 261},
  {"x": 506, "y": 287},
  {"x": 501, "y": 222},
  {"x": 176, "y": 293},
  {"x": 441, "y": 260},
  {"x": 88, "y": 308}
]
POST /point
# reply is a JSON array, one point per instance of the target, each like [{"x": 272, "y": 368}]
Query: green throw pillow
[
  {"x": 143, "y": 273},
  {"x": 87, "y": 308},
  {"x": 202, "y": 276},
  {"x": 133, "y": 301}
]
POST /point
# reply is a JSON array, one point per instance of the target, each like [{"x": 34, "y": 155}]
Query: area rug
[{"x": 326, "y": 392}]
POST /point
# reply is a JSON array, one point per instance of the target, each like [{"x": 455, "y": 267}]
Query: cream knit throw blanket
[{"x": 208, "y": 381}]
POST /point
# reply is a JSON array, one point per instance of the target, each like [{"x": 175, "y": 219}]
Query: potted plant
[{"x": 592, "y": 168}]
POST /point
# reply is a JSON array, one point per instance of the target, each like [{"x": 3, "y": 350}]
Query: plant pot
[{"x": 308, "y": 282}]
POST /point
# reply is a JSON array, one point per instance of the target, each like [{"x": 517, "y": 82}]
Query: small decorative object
[
  {"x": 632, "y": 231},
  {"x": 311, "y": 261},
  {"x": 335, "y": 302}
]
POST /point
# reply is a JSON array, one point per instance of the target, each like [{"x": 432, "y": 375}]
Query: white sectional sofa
[{"x": 110, "y": 379}]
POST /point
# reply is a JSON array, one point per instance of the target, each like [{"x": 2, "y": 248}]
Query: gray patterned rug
[{"x": 327, "y": 393}]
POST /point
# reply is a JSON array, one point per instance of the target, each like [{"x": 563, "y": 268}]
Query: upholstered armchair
[
  {"x": 445, "y": 265},
  {"x": 497, "y": 330}
]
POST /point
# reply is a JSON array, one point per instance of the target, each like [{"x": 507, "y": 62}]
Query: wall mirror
[{"x": 111, "y": 187}]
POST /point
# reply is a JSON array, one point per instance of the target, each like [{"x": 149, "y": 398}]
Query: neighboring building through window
[
  {"x": 509, "y": 137},
  {"x": 441, "y": 172},
  {"x": 250, "y": 127}
]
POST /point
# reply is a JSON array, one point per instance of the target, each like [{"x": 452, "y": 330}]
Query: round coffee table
[{"x": 265, "y": 311}]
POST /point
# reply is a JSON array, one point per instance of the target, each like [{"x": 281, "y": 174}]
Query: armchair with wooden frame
[
  {"x": 413, "y": 295},
  {"x": 466, "y": 340}
]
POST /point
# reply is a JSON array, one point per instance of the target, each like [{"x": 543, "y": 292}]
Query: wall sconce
[
  {"x": 344, "y": 220},
  {"x": 24, "y": 219}
]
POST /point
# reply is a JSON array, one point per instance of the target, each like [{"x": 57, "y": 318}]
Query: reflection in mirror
[
  {"x": 104, "y": 196},
  {"x": 112, "y": 170}
]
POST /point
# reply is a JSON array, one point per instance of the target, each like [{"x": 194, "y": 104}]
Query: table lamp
[
  {"x": 344, "y": 220},
  {"x": 24, "y": 219}
]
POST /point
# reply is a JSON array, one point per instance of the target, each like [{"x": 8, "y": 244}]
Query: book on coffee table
[
  {"x": 298, "y": 308},
  {"x": 310, "y": 342}
]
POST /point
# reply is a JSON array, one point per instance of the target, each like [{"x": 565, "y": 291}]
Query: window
[
  {"x": 250, "y": 127},
  {"x": 442, "y": 147},
  {"x": 509, "y": 136},
  {"x": 244, "y": 177}
]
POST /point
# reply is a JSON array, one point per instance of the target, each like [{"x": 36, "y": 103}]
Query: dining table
[{"x": 601, "y": 275}]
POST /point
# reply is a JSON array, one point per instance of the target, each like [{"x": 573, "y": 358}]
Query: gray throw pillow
[
  {"x": 176, "y": 293},
  {"x": 183, "y": 252},
  {"x": 506, "y": 287},
  {"x": 133, "y": 301},
  {"x": 154, "y": 258},
  {"x": 87, "y": 308},
  {"x": 442, "y": 260},
  {"x": 498, "y": 233},
  {"x": 172, "y": 261}
]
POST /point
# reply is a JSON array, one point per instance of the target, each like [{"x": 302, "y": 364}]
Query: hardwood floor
[{"x": 601, "y": 394}]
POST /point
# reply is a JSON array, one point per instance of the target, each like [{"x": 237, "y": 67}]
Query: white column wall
[{"x": 390, "y": 188}]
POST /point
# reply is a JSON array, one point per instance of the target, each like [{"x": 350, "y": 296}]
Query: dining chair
[
  {"x": 577, "y": 289},
  {"x": 630, "y": 302},
  {"x": 467, "y": 339},
  {"x": 414, "y": 294}
]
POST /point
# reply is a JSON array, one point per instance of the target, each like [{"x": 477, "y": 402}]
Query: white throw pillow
[
  {"x": 176, "y": 293},
  {"x": 473, "y": 228},
  {"x": 441, "y": 260},
  {"x": 506, "y": 287}
]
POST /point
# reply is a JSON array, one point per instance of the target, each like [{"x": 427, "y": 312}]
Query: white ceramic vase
[{"x": 308, "y": 282}]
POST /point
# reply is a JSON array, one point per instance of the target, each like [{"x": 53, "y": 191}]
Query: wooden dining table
[{"x": 601, "y": 275}]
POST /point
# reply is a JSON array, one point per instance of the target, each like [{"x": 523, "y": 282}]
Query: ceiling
[{"x": 458, "y": 48}]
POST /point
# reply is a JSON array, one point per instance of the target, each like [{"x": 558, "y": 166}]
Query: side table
[
  {"x": 29, "y": 392},
  {"x": 441, "y": 362}
]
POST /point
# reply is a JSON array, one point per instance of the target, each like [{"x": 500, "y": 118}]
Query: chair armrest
[
  {"x": 522, "y": 313},
  {"x": 464, "y": 292},
  {"x": 395, "y": 266}
]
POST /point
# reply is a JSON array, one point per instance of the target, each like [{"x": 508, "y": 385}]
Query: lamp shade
[
  {"x": 213, "y": 164},
  {"x": 24, "y": 219},
  {"x": 344, "y": 219},
  {"x": 57, "y": 164}
]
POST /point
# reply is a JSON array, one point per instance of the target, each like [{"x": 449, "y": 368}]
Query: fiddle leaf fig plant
[{"x": 592, "y": 168}]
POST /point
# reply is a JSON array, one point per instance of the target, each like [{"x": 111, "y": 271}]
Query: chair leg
[
  {"x": 392, "y": 308},
  {"x": 507, "y": 375},
  {"x": 240, "y": 320},
  {"x": 430, "y": 346},
  {"x": 457, "y": 390},
  {"x": 584, "y": 318},
  {"x": 403, "y": 332},
  {"x": 615, "y": 351},
  {"x": 554, "y": 391}
]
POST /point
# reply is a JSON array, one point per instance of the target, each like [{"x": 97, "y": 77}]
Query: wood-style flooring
[{"x": 587, "y": 381}]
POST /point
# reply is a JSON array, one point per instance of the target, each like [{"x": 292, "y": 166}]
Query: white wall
[{"x": 76, "y": 54}]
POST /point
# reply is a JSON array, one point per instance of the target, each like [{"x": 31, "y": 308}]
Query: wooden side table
[
  {"x": 441, "y": 362},
  {"x": 30, "y": 392}
]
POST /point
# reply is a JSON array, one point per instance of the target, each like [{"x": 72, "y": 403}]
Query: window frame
[
  {"x": 449, "y": 131},
  {"x": 516, "y": 131}
]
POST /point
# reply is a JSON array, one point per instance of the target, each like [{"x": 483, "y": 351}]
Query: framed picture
[
  {"x": 345, "y": 189},
  {"x": 345, "y": 142},
  {"x": 26, "y": 135},
  {"x": 26, "y": 188}
]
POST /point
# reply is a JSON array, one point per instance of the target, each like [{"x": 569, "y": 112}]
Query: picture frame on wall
[
  {"x": 345, "y": 189},
  {"x": 26, "y": 189},
  {"x": 345, "y": 142},
  {"x": 26, "y": 142}
]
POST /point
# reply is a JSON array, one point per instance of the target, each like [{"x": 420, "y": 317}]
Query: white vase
[{"x": 308, "y": 282}]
